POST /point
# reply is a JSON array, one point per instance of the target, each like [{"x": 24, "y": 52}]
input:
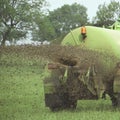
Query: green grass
[{"x": 22, "y": 96}]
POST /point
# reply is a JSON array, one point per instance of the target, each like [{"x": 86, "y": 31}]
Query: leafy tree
[
  {"x": 16, "y": 18},
  {"x": 68, "y": 17},
  {"x": 57, "y": 23},
  {"x": 44, "y": 31},
  {"x": 107, "y": 13}
]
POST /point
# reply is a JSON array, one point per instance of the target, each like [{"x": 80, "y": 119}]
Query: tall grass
[{"x": 22, "y": 94}]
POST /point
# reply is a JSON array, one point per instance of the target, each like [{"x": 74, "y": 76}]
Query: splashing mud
[{"x": 64, "y": 55}]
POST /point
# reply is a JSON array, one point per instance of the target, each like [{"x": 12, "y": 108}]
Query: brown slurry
[{"x": 65, "y": 55}]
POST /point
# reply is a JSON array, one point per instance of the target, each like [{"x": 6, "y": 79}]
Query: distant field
[{"x": 22, "y": 94}]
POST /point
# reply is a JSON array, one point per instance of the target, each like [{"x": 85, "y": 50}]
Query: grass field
[{"x": 22, "y": 95}]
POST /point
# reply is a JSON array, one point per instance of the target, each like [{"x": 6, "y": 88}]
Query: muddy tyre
[
  {"x": 53, "y": 101},
  {"x": 72, "y": 105},
  {"x": 118, "y": 100}
]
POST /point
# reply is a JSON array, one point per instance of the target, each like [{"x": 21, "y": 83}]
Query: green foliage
[
  {"x": 22, "y": 94},
  {"x": 16, "y": 17},
  {"x": 107, "y": 13},
  {"x": 68, "y": 17},
  {"x": 59, "y": 22},
  {"x": 45, "y": 29}
]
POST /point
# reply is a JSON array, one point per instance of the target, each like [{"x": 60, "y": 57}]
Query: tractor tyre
[
  {"x": 53, "y": 101},
  {"x": 118, "y": 100},
  {"x": 72, "y": 104}
]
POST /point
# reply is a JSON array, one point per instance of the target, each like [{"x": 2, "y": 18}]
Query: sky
[{"x": 91, "y": 5}]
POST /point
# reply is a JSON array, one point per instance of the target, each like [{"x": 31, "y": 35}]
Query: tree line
[{"x": 18, "y": 17}]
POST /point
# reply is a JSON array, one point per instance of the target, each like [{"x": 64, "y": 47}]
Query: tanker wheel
[
  {"x": 53, "y": 101},
  {"x": 118, "y": 99},
  {"x": 71, "y": 104},
  {"x": 53, "y": 109}
]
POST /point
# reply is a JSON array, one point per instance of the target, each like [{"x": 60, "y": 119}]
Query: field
[{"x": 22, "y": 94}]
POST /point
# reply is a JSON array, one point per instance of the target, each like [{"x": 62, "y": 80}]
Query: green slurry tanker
[{"x": 90, "y": 72}]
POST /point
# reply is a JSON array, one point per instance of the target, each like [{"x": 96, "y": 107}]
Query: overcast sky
[{"x": 92, "y": 5}]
